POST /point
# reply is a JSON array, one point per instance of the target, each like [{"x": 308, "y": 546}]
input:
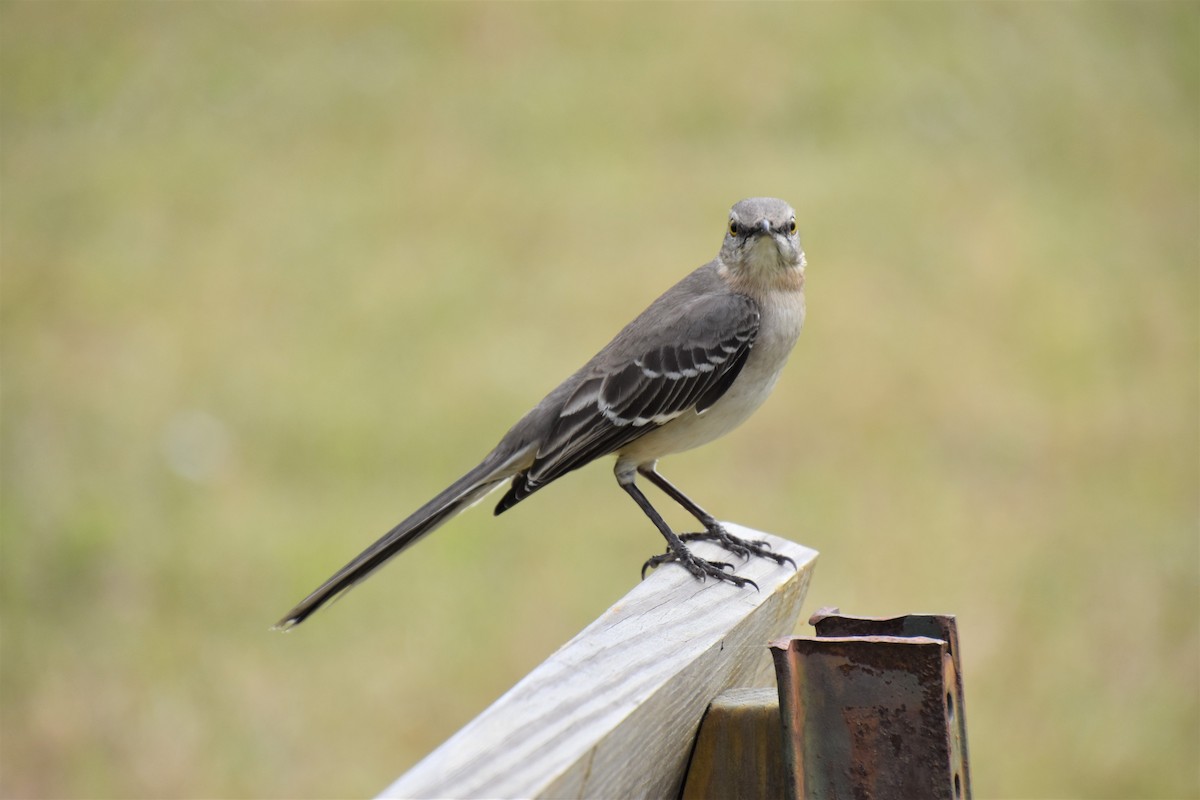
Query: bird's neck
[{"x": 758, "y": 280}]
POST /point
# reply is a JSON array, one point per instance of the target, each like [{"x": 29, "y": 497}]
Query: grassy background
[{"x": 274, "y": 274}]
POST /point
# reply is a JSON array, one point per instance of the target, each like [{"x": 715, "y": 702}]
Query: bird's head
[{"x": 762, "y": 242}]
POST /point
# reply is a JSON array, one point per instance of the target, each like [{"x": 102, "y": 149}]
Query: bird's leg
[
  {"x": 713, "y": 530},
  {"x": 677, "y": 551}
]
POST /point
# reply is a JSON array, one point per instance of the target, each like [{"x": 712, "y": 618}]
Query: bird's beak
[{"x": 764, "y": 225}]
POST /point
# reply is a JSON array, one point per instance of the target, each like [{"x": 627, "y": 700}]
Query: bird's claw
[
  {"x": 736, "y": 545},
  {"x": 700, "y": 568}
]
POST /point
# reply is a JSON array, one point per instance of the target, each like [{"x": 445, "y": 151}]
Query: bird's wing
[{"x": 686, "y": 363}]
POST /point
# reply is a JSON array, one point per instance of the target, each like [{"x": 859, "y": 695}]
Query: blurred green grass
[{"x": 271, "y": 275}]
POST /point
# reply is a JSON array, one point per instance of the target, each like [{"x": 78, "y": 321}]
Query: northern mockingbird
[{"x": 690, "y": 368}]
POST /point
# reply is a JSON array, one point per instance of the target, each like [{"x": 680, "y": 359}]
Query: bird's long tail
[{"x": 466, "y": 491}]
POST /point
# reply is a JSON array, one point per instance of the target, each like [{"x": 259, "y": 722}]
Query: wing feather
[{"x": 689, "y": 367}]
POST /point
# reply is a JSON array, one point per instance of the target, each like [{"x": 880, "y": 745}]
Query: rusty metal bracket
[{"x": 873, "y": 708}]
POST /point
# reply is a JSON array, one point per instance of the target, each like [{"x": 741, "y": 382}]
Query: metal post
[{"x": 873, "y": 708}]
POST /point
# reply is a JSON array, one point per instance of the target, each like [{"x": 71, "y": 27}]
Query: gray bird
[{"x": 689, "y": 369}]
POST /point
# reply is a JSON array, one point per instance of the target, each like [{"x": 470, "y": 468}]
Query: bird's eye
[
  {"x": 734, "y": 228},
  {"x": 792, "y": 226}
]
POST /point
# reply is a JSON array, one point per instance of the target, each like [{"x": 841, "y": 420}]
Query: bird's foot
[
  {"x": 736, "y": 545},
  {"x": 700, "y": 568}
]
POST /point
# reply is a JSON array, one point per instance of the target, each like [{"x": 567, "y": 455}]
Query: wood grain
[
  {"x": 614, "y": 712},
  {"x": 739, "y": 749}
]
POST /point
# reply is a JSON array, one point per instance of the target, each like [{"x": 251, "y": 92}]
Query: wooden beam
[
  {"x": 614, "y": 712},
  {"x": 739, "y": 749}
]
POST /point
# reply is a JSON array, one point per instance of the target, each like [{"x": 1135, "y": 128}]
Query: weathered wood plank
[
  {"x": 739, "y": 749},
  {"x": 614, "y": 712}
]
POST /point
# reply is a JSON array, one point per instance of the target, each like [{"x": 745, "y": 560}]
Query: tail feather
[{"x": 466, "y": 491}]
